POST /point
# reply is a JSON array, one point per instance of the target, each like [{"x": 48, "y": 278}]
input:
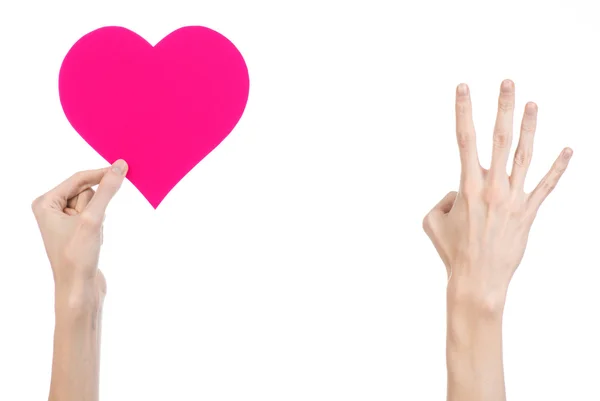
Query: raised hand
[{"x": 480, "y": 233}]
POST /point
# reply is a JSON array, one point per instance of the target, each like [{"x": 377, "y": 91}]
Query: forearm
[
  {"x": 474, "y": 350},
  {"x": 76, "y": 360}
]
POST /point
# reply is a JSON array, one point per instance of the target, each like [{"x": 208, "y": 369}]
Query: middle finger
[{"x": 503, "y": 130}]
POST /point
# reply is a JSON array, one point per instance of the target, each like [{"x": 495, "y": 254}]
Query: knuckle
[
  {"x": 469, "y": 194},
  {"x": 493, "y": 196},
  {"x": 89, "y": 220},
  {"x": 431, "y": 224},
  {"x": 560, "y": 169},
  {"x": 469, "y": 189},
  {"x": 464, "y": 139},
  {"x": 77, "y": 176},
  {"x": 501, "y": 139},
  {"x": 427, "y": 223},
  {"x": 38, "y": 204},
  {"x": 506, "y": 106},
  {"x": 462, "y": 106},
  {"x": 528, "y": 127},
  {"x": 548, "y": 185},
  {"x": 35, "y": 204},
  {"x": 522, "y": 158}
]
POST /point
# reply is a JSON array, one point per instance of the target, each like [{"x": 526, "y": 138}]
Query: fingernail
[
  {"x": 507, "y": 85},
  {"x": 120, "y": 167},
  {"x": 463, "y": 89},
  {"x": 568, "y": 153},
  {"x": 531, "y": 107}
]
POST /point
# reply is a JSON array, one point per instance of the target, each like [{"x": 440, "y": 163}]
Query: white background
[{"x": 290, "y": 264}]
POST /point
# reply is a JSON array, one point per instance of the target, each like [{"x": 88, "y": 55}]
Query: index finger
[
  {"x": 75, "y": 185},
  {"x": 108, "y": 187},
  {"x": 465, "y": 132}
]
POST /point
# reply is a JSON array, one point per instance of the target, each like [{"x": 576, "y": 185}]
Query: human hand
[
  {"x": 70, "y": 219},
  {"x": 481, "y": 232}
]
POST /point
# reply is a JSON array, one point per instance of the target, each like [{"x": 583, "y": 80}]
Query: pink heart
[{"x": 161, "y": 108}]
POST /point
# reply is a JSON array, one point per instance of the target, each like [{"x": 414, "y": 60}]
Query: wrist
[
  {"x": 77, "y": 298},
  {"x": 474, "y": 317},
  {"x": 474, "y": 351},
  {"x": 475, "y": 297}
]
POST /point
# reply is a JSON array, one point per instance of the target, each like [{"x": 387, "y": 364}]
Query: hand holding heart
[
  {"x": 70, "y": 218},
  {"x": 162, "y": 108}
]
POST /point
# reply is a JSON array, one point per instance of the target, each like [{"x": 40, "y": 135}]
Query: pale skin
[
  {"x": 480, "y": 233},
  {"x": 70, "y": 218}
]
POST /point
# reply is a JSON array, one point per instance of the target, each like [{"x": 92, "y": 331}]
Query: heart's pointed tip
[{"x": 155, "y": 203}]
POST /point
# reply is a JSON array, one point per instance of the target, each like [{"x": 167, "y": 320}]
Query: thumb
[
  {"x": 442, "y": 207},
  {"x": 108, "y": 187},
  {"x": 446, "y": 203}
]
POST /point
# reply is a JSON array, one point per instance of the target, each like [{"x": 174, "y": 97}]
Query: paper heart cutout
[{"x": 161, "y": 108}]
